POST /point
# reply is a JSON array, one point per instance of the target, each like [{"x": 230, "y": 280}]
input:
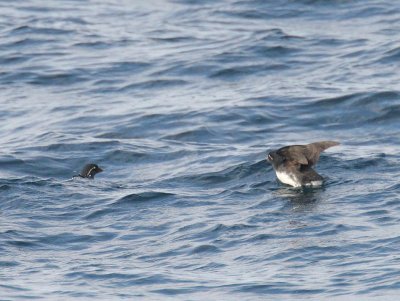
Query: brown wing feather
[
  {"x": 295, "y": 153},
  {"x": 305, "y": 154},
  {"x": 315, "y": 149}
]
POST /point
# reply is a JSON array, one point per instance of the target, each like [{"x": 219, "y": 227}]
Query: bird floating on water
[
  {"x": 293, "y": 164},
  {"x": 89, "y": 171}
]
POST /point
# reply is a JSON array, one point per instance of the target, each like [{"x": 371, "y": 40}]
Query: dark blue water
[{"x": 179, "y": 102}]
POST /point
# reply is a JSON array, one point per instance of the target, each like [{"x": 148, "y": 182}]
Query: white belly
[{"x": 287, "y": 178}]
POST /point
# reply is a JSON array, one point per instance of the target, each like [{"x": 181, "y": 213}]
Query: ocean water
[{"x": 179, "y": 102}]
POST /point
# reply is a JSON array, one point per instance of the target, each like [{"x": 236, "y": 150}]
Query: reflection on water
[{"x": 301, "y": 198}]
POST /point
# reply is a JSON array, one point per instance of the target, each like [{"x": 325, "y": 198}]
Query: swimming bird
[
  {"x": 293, "y": 164},
  {"x": 89, "y": 171}
]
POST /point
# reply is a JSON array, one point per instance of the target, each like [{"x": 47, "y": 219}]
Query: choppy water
[{"x": 179, "y": 102}]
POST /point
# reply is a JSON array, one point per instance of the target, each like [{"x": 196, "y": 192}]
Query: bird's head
[
  {"x": 90, "y": 170},
  {"x": 275, "y": 159}
]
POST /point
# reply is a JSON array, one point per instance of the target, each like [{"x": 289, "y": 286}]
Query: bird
[
  {"x": 293, "y": 164},
  {"x": 89, "y": 171}
]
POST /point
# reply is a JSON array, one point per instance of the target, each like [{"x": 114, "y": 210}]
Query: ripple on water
[{"x": 180, "y": 103}]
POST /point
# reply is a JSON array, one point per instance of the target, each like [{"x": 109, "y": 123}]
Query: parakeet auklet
[
  {"x": 89, "y": 171},
  {"x": 292, "y": 164}
]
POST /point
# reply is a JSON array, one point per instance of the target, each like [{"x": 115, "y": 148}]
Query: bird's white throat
[
  {"x": 288, "y": 178},
  {"x": 292, "y": 180}
]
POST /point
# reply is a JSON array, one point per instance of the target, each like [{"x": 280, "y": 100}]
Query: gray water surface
[{"x": 179, "y": 102}]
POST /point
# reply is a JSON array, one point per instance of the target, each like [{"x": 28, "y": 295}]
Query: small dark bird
[
  {"x": 89, "y": 171},
  {"x": 293, "y": 164}
]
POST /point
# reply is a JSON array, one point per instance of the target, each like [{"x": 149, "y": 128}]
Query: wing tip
[{"x": 323, "y": 145}]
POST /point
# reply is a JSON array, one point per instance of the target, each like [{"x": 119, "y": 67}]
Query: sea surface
[{"x": 179, "y": 102}]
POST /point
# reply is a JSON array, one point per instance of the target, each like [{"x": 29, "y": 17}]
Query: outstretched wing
[
  {"x": 313, "y": 150},
  {"x": 307, "y": 155}
]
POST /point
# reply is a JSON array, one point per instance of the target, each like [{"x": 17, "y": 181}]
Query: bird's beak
[
  {"x": 99, "y": 170},
  {"x": 269, "y": 158}
]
